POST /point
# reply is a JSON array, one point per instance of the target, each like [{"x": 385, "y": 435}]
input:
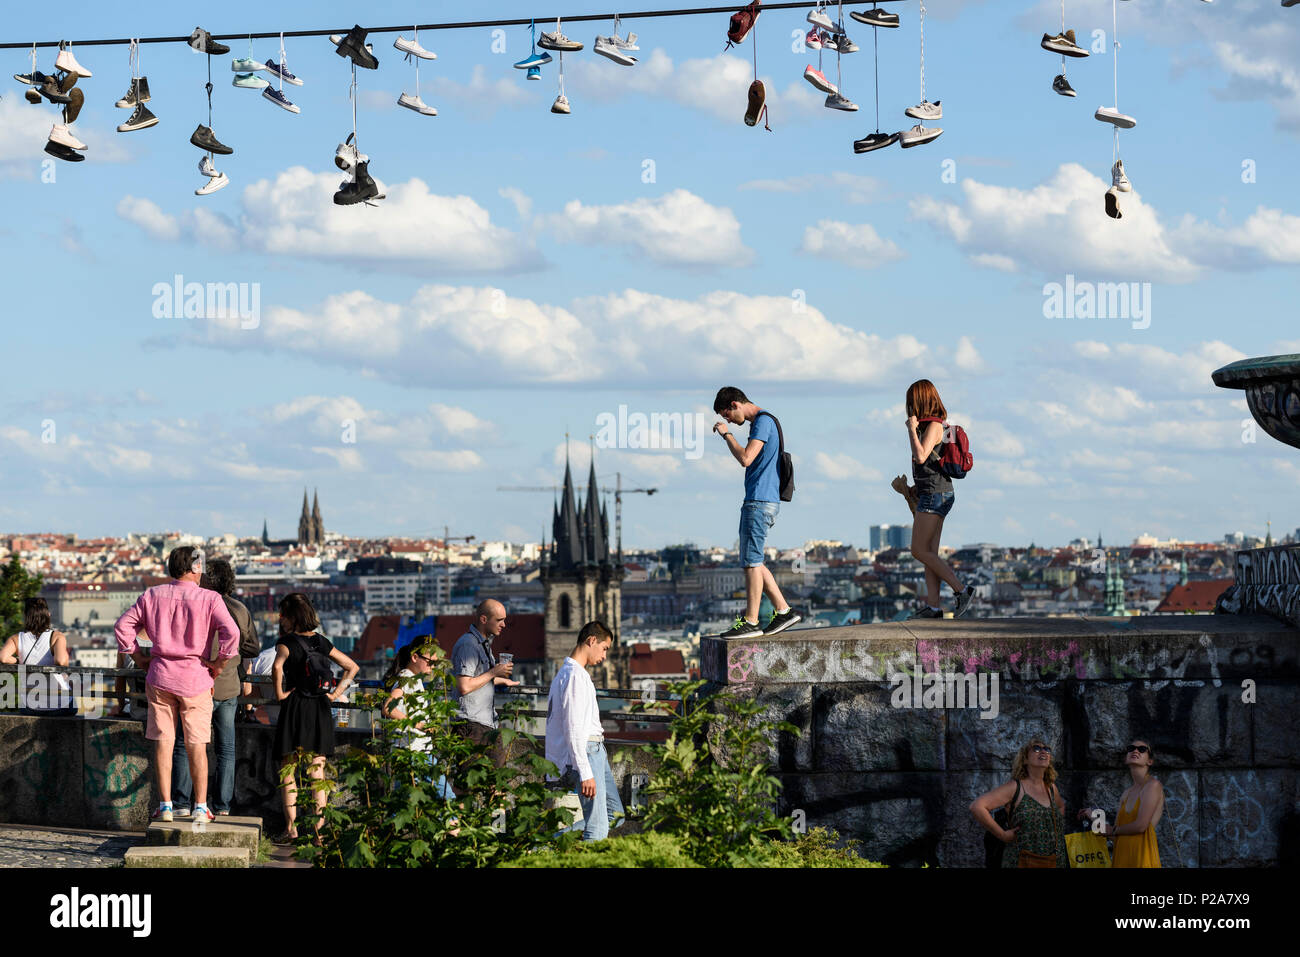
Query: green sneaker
[
  {"x": 250, "y": 81},
  {"x": 246, "y": 65},
  {"x": 742, "y": 629}
]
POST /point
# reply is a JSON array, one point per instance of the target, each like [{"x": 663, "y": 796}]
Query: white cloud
[
  {"x": 484, "y": 96},
  {"x": 846, "y": 187},
  {"x": 676, "y": 229},
  {"x": 460, "y": 460},
  {"x": 967, "y": 357},
  {"x": 859, "y": 245},
  {"x": 146, "y": 214},
  {"x": 844, "y": 468},
  {"x": 1158, "y": 370}
]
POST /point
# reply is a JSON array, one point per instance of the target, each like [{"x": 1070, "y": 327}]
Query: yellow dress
[{"x": 1135, "y": 850}]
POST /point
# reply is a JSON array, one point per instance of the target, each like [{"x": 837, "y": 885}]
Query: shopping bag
[{"x": 1087, "y": 849}]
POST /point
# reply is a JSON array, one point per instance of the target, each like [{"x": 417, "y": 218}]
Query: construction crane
[{"x": 618, "y": 492}]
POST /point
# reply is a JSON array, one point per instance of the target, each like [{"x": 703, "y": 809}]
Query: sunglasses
[
  {"x": 1139, "y": 748},
  {"x": 1040, "y": 749}
]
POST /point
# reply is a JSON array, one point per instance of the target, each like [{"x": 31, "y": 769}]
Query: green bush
[
  {"x": 817, "y": 848},
  {"x": 635, "y": 850}
]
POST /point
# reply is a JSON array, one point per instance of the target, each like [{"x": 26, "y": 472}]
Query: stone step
[
  {"x": 233, "y": 819},
  {"x": 186, "y": 834},
  {"x": 154, "y": 856}
]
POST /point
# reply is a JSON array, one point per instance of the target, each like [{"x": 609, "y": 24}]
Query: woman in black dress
[{"x": 305, "y": 720}]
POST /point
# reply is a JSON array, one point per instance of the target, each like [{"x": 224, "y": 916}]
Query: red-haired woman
[{"x": 934, "y": 497}]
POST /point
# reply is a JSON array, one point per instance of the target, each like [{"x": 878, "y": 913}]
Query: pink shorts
[{"x": 195, "y": 713}]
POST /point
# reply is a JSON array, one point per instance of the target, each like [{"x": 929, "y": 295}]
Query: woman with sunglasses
[
  {"x": 1035, "y": 831},
  {"x": 406, "y": 676},
  {"x": 1140, "y": 808}
]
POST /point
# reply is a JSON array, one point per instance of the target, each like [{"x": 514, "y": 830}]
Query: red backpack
[
  {"x": 955, "y": 459},
  {"x": 742, "y": 21}
]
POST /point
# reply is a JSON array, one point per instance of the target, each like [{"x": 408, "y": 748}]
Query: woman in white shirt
[
  {"x": 39, "y": 645},
  {"x": 405, "y": 676}
]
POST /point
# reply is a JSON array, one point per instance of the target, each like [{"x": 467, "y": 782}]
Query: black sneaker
[
  {"x": 874, "y": 141},
  {"x": 204, "y": 140},
  {"x": 1062, "y": 86},
  {"x": 779, "y": 623},
  {"x": 875, "y": 17},
  {"x": 927, "y": 612},
  {"x": 141, "y": 119},
  {"x": 964, "y": 601},
  {"x": 742, "y": 629},
  {"x": 202, "y": 41},
  {"x": 63, "y": 152},
  {"x": 353, "y": 46},
  {"x": 137, "y": 94},
  {"x": 27, "y": 78}
]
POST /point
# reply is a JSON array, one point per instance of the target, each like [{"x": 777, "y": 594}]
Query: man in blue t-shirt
[{"x": 758, "y": 511}]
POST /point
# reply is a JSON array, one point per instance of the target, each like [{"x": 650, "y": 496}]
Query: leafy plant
[
  {"x": 383, "y": 809},
  {"x": 16, "y": 586}
]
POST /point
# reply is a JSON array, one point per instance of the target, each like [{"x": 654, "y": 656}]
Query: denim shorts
[
  {"x": 936, "y": 503},
  {"x": 755, "y": 519}
]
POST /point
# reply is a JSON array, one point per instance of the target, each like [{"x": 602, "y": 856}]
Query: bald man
[{"x": 475, "y": 667}]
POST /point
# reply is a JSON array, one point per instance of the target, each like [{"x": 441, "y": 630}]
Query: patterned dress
[{"x": 1036, "y": 831}]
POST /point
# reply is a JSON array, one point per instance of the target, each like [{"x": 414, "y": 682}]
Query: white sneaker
[
  {"x": 925, "y": 111},
  {"x": 1112, "y": 204},
  {"x": 346, "y": 157},
  {"x": 918, "y": 136},
  {"x": 206, "y": 167},
  {"x": 607, "y": 48},
  {"x": 62, "y": 135},
  {"x": 414, "y": 49},
  {"x": 630, "y": 42},
  {"x": 1118, "y": 179},
  {"x": 555, "y": 40},
  {"x": 838, "y": 101},
  {"x": 68, "y": 64},
  {"x": 818, "y": 79},
  {"x": 212, "y": 185},
  {"x": 818, "y": 18},
  {"x": 1108, "y": 114},
  {"x": 561, "y": 104},
  {"x": 416, "y": 104}
]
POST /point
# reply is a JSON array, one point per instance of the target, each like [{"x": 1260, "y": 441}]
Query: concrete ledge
[
  {"x": 185, "y": 834},
  {"x": 187, "y": 857}
]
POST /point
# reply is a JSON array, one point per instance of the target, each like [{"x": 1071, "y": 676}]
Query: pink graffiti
[
  {"x": 740, "y": 663},
  {"x": 929, "y": 654}
]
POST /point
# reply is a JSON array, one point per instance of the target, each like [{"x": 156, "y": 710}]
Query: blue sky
[{"x": 526, "y": 274}]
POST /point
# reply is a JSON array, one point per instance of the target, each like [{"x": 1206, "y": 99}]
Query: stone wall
[
  {"x": 1267, "y": 582},
  {"x": 70, "y": 772},
  {"x": 901, "y": 780}
]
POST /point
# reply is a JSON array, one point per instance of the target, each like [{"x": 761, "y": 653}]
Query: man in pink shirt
[{"x": 180, "y": 618}]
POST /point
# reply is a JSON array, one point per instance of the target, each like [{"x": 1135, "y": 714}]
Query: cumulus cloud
[
  {"x": 676, "y": 229},
  {"x": 844, "y": 468},
  {"x": 854, "y": 245}
]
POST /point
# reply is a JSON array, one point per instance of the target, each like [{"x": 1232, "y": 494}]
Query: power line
[{"x": 463, "y": 25}]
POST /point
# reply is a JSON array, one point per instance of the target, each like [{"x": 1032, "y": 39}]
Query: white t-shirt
[
  {"x": 410, "y": 684},
  {"x": 35, "y": 650}
]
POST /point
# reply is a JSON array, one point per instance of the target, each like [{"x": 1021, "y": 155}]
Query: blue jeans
[
  {"x": 440, "y": 785},
  {"x": 936, "y": 503},
  {"x": 755, "y": 519},
  {"x": 597, "y": 812},
  {"x": 223, "y": 728}
]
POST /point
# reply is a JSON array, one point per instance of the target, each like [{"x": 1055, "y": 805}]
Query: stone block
[
  {"x": 118, "y": 780},
  {"x": 856, "y": 728},
  {"x": 153, "y": 856},
  {"x": 1245, "y": 816},
  {"x": 786, "y": 751},
  {"x": 1276, "y": 714},
  {"x": 185, "y": 834},
  {"x": 1190, "y": 724},
  {"x": 1025, "y": 710},
  {"x": 820, "y": 656},
  {"x": 41, "y": 771}
]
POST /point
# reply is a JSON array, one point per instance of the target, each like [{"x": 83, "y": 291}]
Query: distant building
[
  {"x": 311, "y": 529},
  {"x": 1193, "y": 597},
  {"x": 890, "y": 536}
]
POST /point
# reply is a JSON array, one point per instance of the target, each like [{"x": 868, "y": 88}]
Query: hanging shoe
[
  {"x": 354, "y": 47},
  {"x": 1108, "y": 114},
  {"x": 279, "y": 99},
  {"x": 842, "y": 41},
  {"x": 250, "y": 81},
  {"x": 67, "y": 82},
  {"x": 830, "y": 42},
  {"x": 68, "y": 64},
  {"x": 205, "y": 140},
  {"x": 818, "y": 79},
  {"x": 359, "y": 190},
  {"x": 220, "y": 181},
  {"x": 76, "y": 100},
  {"x": 278, "y": 70},
  {"x": 607, "y": 48},
  {"x": 875, "y": 18},
  {"x": 629, "y": 44},
  {"x": 202, "y": 41},
  {"x": 1062, "y": 86},
  {"x": 49, "y": 89},
  {"x": 414, "y": 49},
  {"x": 561, "y": 105},
  {"x": 875, "y": 141},
  {"x": 206, "y": 167},
  {"x": 337, "y": 38},
  {"x": 28, "y": 78},
  {"x": 534, "y": 73},
  {"x": 533, "y": 60},
  {"x": 246, "y": 64},
  {"x": 32, "y": 97},
  {"x": 134, "y": 94},
  {"x": 757, "y": 97},
  {"x": 63, "y": 152},
  {"x": 1118, "y": 179},
  {"x": 838, "y": 101},
  {"x": 1112, "y": 204},
  {"x": 140, "y": 119},
  {"x": 416, "y": 104},
  {"x": 925, "y": 111},
  {"x": 918, "y": 136},
  {"x": 813, "y": 39},
  {"x": 555, "y": 40},
  {"x": 60, "y": 134},
  {"x": 347, "y": 156},
  {"x": 1063, "y": 43},
  {"x": 818, "y": 18}
]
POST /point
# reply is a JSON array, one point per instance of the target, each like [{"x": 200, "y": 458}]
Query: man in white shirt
[{"x": 575, "y": 740}]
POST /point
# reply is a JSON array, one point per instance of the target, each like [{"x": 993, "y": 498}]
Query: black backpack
[
  {"x": 784, "y": 464},
  {"x": 993, "y": 848},
  {"x": 315, "y": 678}
]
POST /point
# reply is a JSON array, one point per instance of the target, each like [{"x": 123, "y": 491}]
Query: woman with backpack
[
  {"x": 304, "y": 684},
  {"x": 36, "y": 645},
  {"x": 405, "y": 676},
  {"x": 1140, "y": 808},
  {"x": 1034, "y": 833},
  {"x": 934, "y": 497}
]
